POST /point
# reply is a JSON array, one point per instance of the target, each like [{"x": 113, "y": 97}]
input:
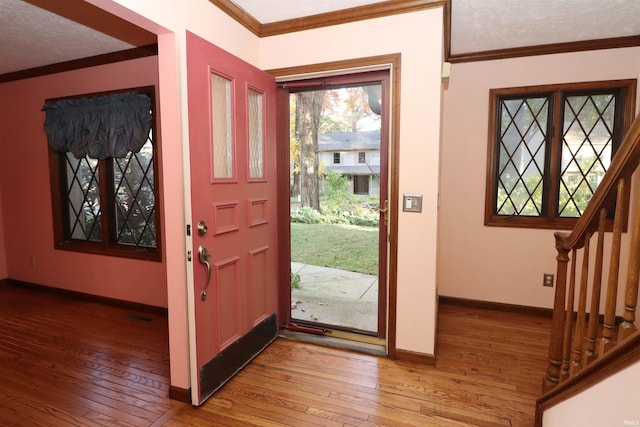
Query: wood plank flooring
[
  {"x": 65, "y": 362},
  {"x": 69, "y": 363}
]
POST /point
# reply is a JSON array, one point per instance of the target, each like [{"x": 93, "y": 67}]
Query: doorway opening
[{"x": 338, "y": 205}]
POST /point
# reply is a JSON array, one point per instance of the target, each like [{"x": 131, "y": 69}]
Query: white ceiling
[
  {"x": 267, "y": 11},
  {"x": 500, "y": 24},
  {"x": 31, "y": 37}
]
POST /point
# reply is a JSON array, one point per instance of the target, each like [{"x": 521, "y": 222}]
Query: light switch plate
[{"x": 412, "y": 202}]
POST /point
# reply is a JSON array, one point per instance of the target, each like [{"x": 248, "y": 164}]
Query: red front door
[{"x": 233, "y": 221}]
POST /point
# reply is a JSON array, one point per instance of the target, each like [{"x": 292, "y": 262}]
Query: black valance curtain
[{"x": 99, "y": 127}]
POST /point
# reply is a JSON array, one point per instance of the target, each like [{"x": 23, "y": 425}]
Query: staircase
[{"x": 589, "y": 342}]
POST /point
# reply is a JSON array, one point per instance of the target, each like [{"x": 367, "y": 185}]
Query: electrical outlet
[{"x": 547, "y": 280}]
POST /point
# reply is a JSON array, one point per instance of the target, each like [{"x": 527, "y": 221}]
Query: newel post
[{"x": 552, "y": 377}]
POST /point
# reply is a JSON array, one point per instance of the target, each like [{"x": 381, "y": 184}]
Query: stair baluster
[
  {"x": 627, "y": 327},
  {"x": 606, "y": 343},
  {"x": 592, "y": 333},
  {"x": 578, "y": 336},
  {"x": 568, "y": 321},
  {"x": 576, "y": 357}
]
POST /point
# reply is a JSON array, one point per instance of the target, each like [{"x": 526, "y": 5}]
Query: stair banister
[{"x": 610, "y": 195}]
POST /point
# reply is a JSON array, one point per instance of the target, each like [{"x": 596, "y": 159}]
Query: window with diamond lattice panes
[
  {"x": 135, "y": 203},
  {"x": 83, "y": 198},
  {"x": 587, "y": 141},
  {"x": 522, "y": 151},
  {"x": 549, "y": 148},
  {"x": 108, "y": 205}
]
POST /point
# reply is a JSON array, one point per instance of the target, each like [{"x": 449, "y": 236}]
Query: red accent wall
[
  {"x": 26, "y": 201},
  {"x": 3, "y": 253}
]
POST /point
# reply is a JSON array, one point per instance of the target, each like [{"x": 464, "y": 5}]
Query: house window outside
[
  {"x": 336, "y": 158},
  {"x": 107, "y": 206},
  {"x": 549, "y": 149},
  {"x": 362, "y": 157}
]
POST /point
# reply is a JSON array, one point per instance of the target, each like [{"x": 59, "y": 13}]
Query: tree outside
[
  {"x": 307, "y": 119},
  {"x": 321, "y": 197},
  {"x": 323, "y": 111}
]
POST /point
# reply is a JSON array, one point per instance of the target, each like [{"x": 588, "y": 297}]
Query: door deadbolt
[{"x": 202, "y": 228}]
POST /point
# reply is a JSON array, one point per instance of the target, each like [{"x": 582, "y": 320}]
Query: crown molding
[
  {"x": 239, "y": 14},
  {"x": 76, "y": 64},
  {"x": 360, "y": 13},
  {"x": 100, "y": 20},
  {"x": 547, "y": 49}
]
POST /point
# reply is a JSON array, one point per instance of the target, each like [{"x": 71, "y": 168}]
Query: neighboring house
[{"x": 355, "y": 155}]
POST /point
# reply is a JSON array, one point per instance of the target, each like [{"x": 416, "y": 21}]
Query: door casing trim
[{"x": 391, "y": 62}]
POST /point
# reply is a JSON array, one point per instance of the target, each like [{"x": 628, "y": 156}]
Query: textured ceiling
[
  {"x": 32, "y": 37},
  {"x": 267, "y": 11},
  {"x": 499, "y": 24}
]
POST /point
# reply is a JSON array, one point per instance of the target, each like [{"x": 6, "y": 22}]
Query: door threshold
[
  {"x": 353, "y": 336},
  {"x": 342, "y": 340}
]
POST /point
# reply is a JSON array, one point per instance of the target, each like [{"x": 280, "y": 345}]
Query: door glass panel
[
  {"x": 255, "y": 135},
  {"x": 222, "y": 124},
  {"x": 335, "y": 207}
]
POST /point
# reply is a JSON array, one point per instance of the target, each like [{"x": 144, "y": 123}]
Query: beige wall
[
  {"x": 197, "y": 16},
  {"x": 612, "y": 402},
  {"x": 418, "y": 37},
  {"x": 493, "y": 263}
]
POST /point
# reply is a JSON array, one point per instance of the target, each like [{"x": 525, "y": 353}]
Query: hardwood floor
[{"x": 65, "y": 362}]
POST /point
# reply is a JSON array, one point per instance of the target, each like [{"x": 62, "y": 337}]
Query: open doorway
[{"x": 338, "y": 205}]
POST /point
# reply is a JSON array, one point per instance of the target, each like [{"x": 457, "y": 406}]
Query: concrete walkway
[{"x": 335, "y": 297}]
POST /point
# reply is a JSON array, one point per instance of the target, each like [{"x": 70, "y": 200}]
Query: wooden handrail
[
  {"x": 577, "y": 337},
  {"x": 623, "y": 164},
  {"x": 623, "y": 356}
]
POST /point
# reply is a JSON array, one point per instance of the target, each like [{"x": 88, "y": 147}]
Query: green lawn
[{"x": 347, "y": 247}]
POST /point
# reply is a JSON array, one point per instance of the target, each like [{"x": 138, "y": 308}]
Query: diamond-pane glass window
[
  {"x": 108, "y": 206},
  {"x": 83, "y": 198},
  {"x": 550, "y": 147},
  {"x": 522, "y": 144},
  {"x": 587, "y": 141},
  {"x": 135, "y": 203}
]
